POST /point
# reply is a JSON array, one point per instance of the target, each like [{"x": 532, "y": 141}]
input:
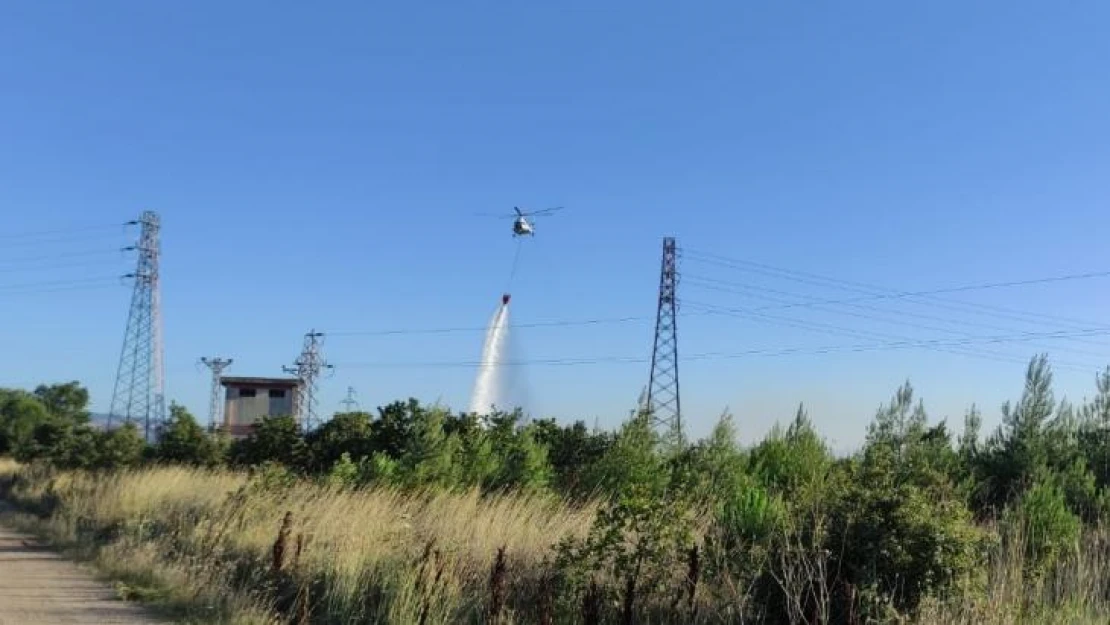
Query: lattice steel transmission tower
[
  {"x": 307, "y": 368},
  {"x": 663, "y": 399},
  {"x": 217, "y": 365},
  {"x": 139, "y": 392},
  {"x": 350, "y": 404}
]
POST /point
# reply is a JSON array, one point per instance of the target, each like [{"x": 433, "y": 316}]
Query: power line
[
  {"x": 538, "y": 324},
  {"x": 837, "y": 330},
  {"x": 817, "y": 303},
  {"x": 51, "y": 283},
  {"x": 51, "y": 267},
  {"x": 66, "y": 231},
  {"x": 85, "y": 254},
  {"x": 91, "y": 287},
  {"x": 67, "y": 240},
  {"x": 857, "y": 347},
  {"x": 444, "y": 364},
  {"x": 884, "y": 292}
]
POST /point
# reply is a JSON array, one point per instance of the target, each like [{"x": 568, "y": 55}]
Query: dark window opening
[
  {"x": 246, "y": 392},
  {"x": 277, "y": 393}
]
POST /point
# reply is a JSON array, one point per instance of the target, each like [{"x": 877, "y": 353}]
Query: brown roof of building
[{"x": 260, "y": 382}]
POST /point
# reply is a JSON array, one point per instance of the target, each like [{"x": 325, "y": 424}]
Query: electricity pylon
[
  {"x": 663, "y": 400},
  {"x": 139, "y": 392},
  {"x": 217, "y": 365}
]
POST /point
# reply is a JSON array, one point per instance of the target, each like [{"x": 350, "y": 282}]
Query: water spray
[{"x": 489, "y": 386}]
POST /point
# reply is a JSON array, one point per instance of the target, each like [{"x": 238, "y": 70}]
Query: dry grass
[
  {"x": 1075, "y": 592},
  {"x": 8, "y": 468},
  {"x": 211, "y": 536},
  {"x": 202, "y": 544}
]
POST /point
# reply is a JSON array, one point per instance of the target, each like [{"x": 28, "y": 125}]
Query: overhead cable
[
  {"x": 65, "y": 231},
  {"x": 4, "y": 288},
  {"x": 864, "y": 347},
  {"x": 927, "y": 297},
  {"x": 538, "y": 324},
  {"x": 900, "y": 317},
  {"x": 4, "y": 262},
  {"x": 871, "y": 335}
]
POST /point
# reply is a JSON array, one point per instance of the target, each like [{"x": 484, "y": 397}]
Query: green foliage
[
  {"x": 183, "y": 441},
  {"x": 634, "y": 545},
  {"x": 427, "y": 457},
  {"x": 1049, "y": 529},
  {"x": 120, "y": 447},
  {"x": 479, "y": 463},
  {"x": 632, "y": 460},
  {"x": 573, "y": 451},
  {"x": 344, "y": 472},
  {"x": 51, "y": 425},
  {"x": 394, "y": 427},
  {"x": 346, "y": 433},
  {"x": 273, "y": 439},
  {"x": 791, "y": 463},
  {"x": 901, "y": 526},
  {"x": 379, "y": 470},
  {"x": 525, "y": 464},
  {"x": 69, "y": 401},
  {"x": 749, "y": 515},
  {"x": 1018, "y": 450},
  {"x": 20, "y": 414}
]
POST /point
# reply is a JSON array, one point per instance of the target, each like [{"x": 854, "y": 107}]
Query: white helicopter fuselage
[{"x": 522, "y": 227}]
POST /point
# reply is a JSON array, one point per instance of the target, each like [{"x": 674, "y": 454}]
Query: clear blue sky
[{"x": 320, "y": 166}]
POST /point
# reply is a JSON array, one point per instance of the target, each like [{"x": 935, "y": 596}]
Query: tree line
[{"x": 914, "y": 515}]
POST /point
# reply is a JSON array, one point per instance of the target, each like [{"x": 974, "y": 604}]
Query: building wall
[
  {"x": 281, "y": 405},
  {"x": 240, "y": 410}
]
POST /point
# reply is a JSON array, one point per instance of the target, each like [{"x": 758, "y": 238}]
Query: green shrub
[
  {"x": 120, "y": 448},
  {"x": 902, "y": 528},
  {"x": 1048, "y": 528},
  {"x": 182, "y": 440},
  {"x": 273, "y": 439},
  {"x": 344, "y": 473}
]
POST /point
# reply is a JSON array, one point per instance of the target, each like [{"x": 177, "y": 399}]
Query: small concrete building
[{"x": 248, "y": 400}]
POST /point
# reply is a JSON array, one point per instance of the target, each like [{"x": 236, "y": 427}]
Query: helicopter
[{"x": 522, "y": 226}]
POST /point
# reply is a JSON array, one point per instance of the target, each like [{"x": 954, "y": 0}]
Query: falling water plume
[{"x": 489, "y": 385}]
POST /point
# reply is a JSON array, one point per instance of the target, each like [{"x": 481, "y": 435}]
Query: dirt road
[{"x": 39, "y": 587}]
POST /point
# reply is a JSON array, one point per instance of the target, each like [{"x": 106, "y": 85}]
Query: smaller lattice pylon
[
  {"x": 217, "y": 366},
  {"x": 308, "y": 367},
  {"x": 349, "y": 403}
]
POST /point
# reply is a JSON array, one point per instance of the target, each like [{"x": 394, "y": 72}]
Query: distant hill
[{"x": 98, "y": 420}]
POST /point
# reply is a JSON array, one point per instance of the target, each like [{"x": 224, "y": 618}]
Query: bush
[
  {"x": 120, "y": 448},
  {"x": 183, "y": 441},
  {"x": 344, "y": 472},
  {"x": 902, "y": 527},
  {"x": 273, "y": 439},
  {"x": 1048, "y": 528}
]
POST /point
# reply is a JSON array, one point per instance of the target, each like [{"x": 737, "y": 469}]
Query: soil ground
[{"x": 39, "y": 587}]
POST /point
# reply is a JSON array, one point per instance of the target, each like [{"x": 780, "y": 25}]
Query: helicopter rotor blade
[{"x": 546, "y": 211}]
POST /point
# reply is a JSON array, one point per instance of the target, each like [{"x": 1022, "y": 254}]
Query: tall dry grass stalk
[
  {"x": 8, "y": 470},
  {"x": 223, "y": 538},
  {"x": 1075, "y": 591}
]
